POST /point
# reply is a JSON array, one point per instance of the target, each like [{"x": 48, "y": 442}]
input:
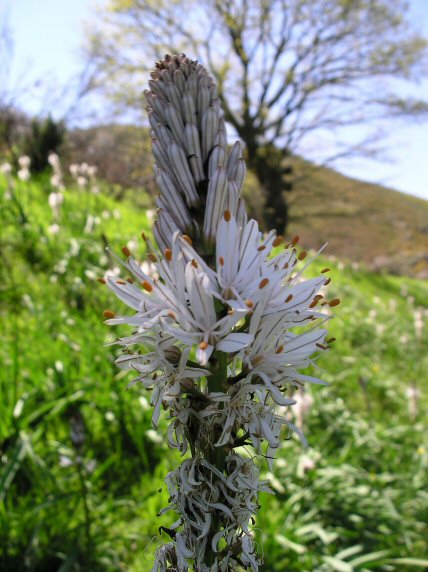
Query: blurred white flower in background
[
  {"x": 413, "y": 396},
  {"x": 55, "y": 201},
  {"x": 24, "y": 172},
  {"x": 6, "y": 168},
  {"x": 418, "y": 316},
  {"x": 302, "y": 407},
  {"x": 81, "y": 182},
  {"x": 54, "y": 228},
  {"x": 57, "y": 177}
]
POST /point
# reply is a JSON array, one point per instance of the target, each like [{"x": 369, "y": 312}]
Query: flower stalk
[{"x": 225, "y": 321}]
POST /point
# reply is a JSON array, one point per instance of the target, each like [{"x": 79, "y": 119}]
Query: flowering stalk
[{"x": 217, "y": 321}]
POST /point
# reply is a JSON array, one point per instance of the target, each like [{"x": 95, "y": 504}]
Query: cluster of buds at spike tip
[
  {"x": 197, "y": 177},
  {"x": 220, "y": 334}
]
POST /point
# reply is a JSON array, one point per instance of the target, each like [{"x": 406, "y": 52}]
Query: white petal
[{"x": 234, "y": 342}]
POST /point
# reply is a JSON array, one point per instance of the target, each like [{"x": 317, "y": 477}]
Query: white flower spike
[{"x": 225, "y": 319}]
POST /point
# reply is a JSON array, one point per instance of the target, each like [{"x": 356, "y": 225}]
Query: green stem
[{"x": 217, "y": 382}]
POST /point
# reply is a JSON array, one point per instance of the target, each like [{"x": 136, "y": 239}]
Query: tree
[
  {"x": 45, "y": 137},
  {"x": 285, "y": 69}
]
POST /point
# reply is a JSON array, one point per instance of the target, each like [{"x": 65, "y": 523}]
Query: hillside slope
[{"x": 362, "y": 222}]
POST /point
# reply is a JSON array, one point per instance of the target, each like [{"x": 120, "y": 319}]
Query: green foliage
[
  {"x": 80, "y": 468},
  {"x": 45, "y": 136}
]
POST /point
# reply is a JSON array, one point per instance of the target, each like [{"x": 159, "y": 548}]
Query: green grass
[{"x": 80, "y": 470}]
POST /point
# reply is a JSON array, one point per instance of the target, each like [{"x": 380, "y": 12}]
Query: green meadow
[{"x": 81, "y": 469}]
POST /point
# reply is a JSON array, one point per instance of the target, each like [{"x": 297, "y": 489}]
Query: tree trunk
[{"x": 267, "y": 164}]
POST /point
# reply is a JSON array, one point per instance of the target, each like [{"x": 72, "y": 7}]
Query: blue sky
[{"x": 47, "y": 38}]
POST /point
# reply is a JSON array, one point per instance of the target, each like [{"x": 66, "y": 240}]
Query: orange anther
[
  {"x": 187, "y": 239},
  {"x": 221, "y": 260},
  {"x": 263, "y": 283},
  {"x": 278, "y": 240},
  {"x": 109, "y": 314},
  {"x": 334, "y": 302},
  {"x": 203, "y": 345},
  {"x": 325, "y": 270},
  {"x": 289, "y": 298},
  {"x": 126, "y": 251},
  {"x": 152, "y": 257},
  {"x": 249, "y": 303},
  {"x": 302, "y": 255},
  {"x": 279, "y": 349},
  {"x": 101, "y": 280},
  {"x": 147, "y": 286},
  {"x": 295, "y": 240},
  {"x": 168, "y": 254},
  {"x": 227, "y": 215}
]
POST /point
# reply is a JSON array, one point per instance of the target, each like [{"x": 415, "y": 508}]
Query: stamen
[
  {"x": 289, "y": 298},
  {"x": 278, "y": 240},
  {"x": 261, "y": 248},
  {"x": 302, "y": 255},
  {"x": 334, "y": 302},
  {"x": 313, "y": 303},
  {"x": 264, "y": 283},
  {"x": 227, "y": 215},
  {"x": 257, "y": 360},
  {"x": 221, "y": 261},
  {"x": 172, "y": 315},
  {"x": 331, "y": 340},
  {"x": 187, "y": 239},
  {"x": 144, "y": 237},
  {"x": 286, "y": 265},
  {"x": 321, "y": 346},
  {"x": 325, "y": 270},
  {"x": 147, "y": 286},
  {"x": 109, "y": 314},
  {"x": 152, "y": 257},
  {"x": 130, "y": 280},
  {"x": 168, "y": 254},
  {"x": 120, "y": 282},
  {"x": 279, "y": 349},
  {"x": 195, "y": 264},
  {"x": 203, "y": 346},
  {"x": 249, "y": 303},
  {"x": 101, "y": 280},
  {"x": 327, "y": 282},
  {"x": 126, "y": 251},
  {"x": 295, "y": 240}
]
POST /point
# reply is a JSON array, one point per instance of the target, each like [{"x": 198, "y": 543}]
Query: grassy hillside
[
  {"x": 362, "y": 222},
  {"x": 81, "y": 469}
]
